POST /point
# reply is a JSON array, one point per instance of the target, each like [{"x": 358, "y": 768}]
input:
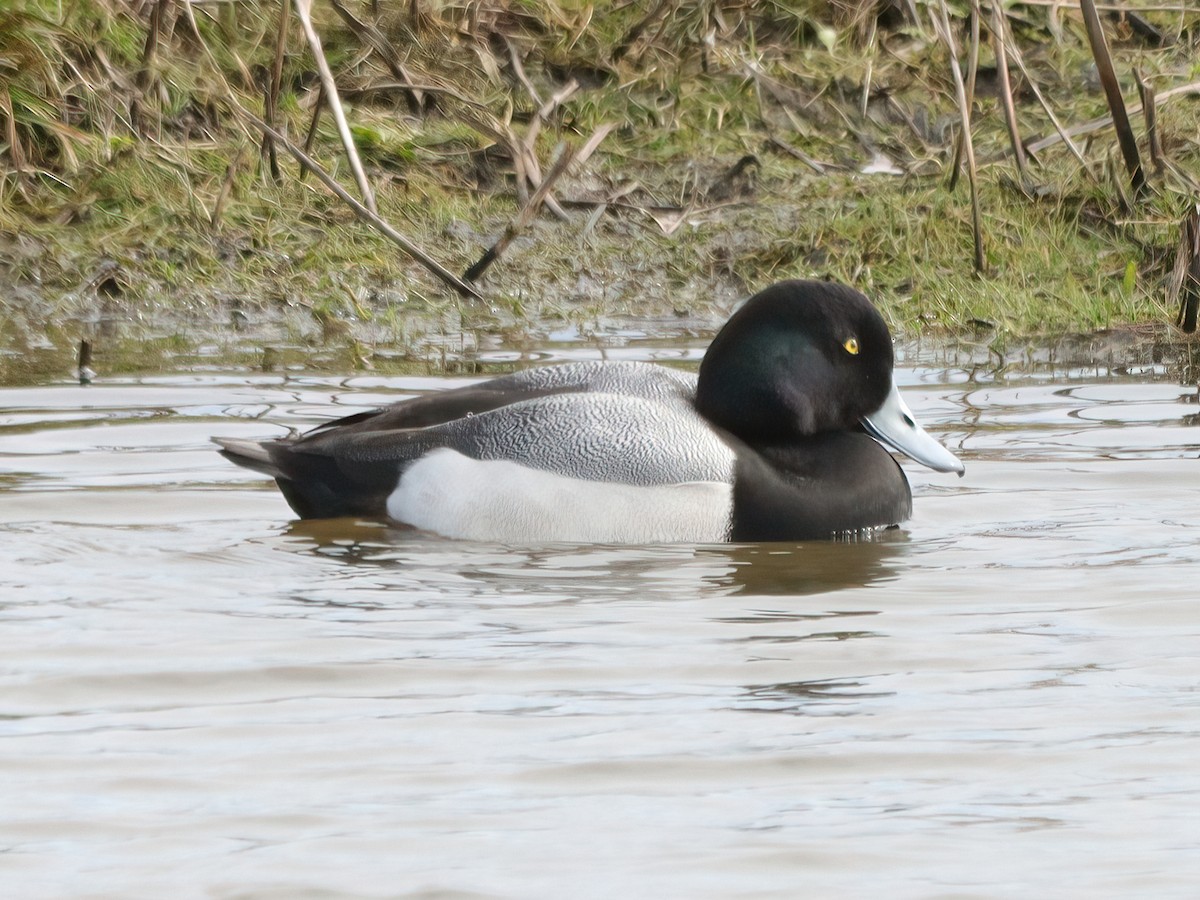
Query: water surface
[{"x": 202, "y": 697}]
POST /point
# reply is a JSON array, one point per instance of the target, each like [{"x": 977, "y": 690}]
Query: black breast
[{"x": 816, "y": 487}]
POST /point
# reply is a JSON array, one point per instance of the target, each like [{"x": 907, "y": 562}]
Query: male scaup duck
[{"x": 777, "y": 438}]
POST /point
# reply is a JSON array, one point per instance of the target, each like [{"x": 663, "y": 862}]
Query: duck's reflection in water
[
  {"x": 733, "y": 604},
  {"x": 794, "y": 594},
  {"x": 813, "y": 567},
  {"x": 674, "y": 571}
]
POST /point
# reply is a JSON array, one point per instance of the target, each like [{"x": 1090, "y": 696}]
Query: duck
[{"x": 785, "y": 433}]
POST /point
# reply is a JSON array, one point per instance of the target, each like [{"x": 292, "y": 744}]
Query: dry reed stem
[
  {"x": 271, "y": 99},
  {"x": 1019, "y": 58},
  {"x": 972, "y": 71},
  {"x": 310, "y": 136},
  {"x": 593, "y": 142},
  {"x": 532, "y": 167},
  {"x": 383, "y": 48},
  {"x": 631, "y": 37},
  {"x": 514, "y": 57},
  {"x": 1010, "y": 110},
  {"x": 150, "y": 49},
  {"x": 304, "y": 11},
  {"x": 942, "y": 25},
  {"x": 1114, "y": 7},
  {"x": 367, "y": 215},
  {"x": 1112, "y": 91},
  {"x": 144, "y": 79},
  {"x": 546, "y": 109},
  {"x": 1185, "y": 277},
  {"x": 214, "y": 218},
  {"x": 15, "y": 150},
  {"x": 791, "y": 151},
  {"x": 363, "y": 211},
  {"x": 865, "y": 98},
  {"x": 1150, "y": 115},
  {"x": 1104, "y": 121},
  {"x": 566, "y": 154},
  {"x": 973, "y": 56}
]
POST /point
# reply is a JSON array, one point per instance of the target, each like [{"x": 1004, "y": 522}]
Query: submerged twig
[
  {"x": 1112, "y": 91},
  {"x": 304, "y": 11},
  {"x": 83, "y": 368}
]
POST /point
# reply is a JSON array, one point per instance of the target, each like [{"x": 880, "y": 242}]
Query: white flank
[{"x": 496, "y": 500}]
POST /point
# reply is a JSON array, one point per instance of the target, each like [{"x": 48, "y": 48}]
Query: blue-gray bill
[{"x": 894, "y": 426}]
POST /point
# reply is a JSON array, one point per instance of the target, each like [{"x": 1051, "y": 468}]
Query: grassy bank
[{"x": 750, "y": 142}]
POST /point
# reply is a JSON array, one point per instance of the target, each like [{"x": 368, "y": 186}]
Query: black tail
[
  {"x": 249, "y": 454},
  {"x": 318, "y": 485}
]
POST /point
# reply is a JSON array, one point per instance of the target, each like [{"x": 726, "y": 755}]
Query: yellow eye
[{"x": 851, "y": 345}]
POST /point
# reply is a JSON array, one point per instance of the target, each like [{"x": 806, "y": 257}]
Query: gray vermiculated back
[
  {"x": 599, "y": 437},
  {"x": 635, "y": 379}
]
